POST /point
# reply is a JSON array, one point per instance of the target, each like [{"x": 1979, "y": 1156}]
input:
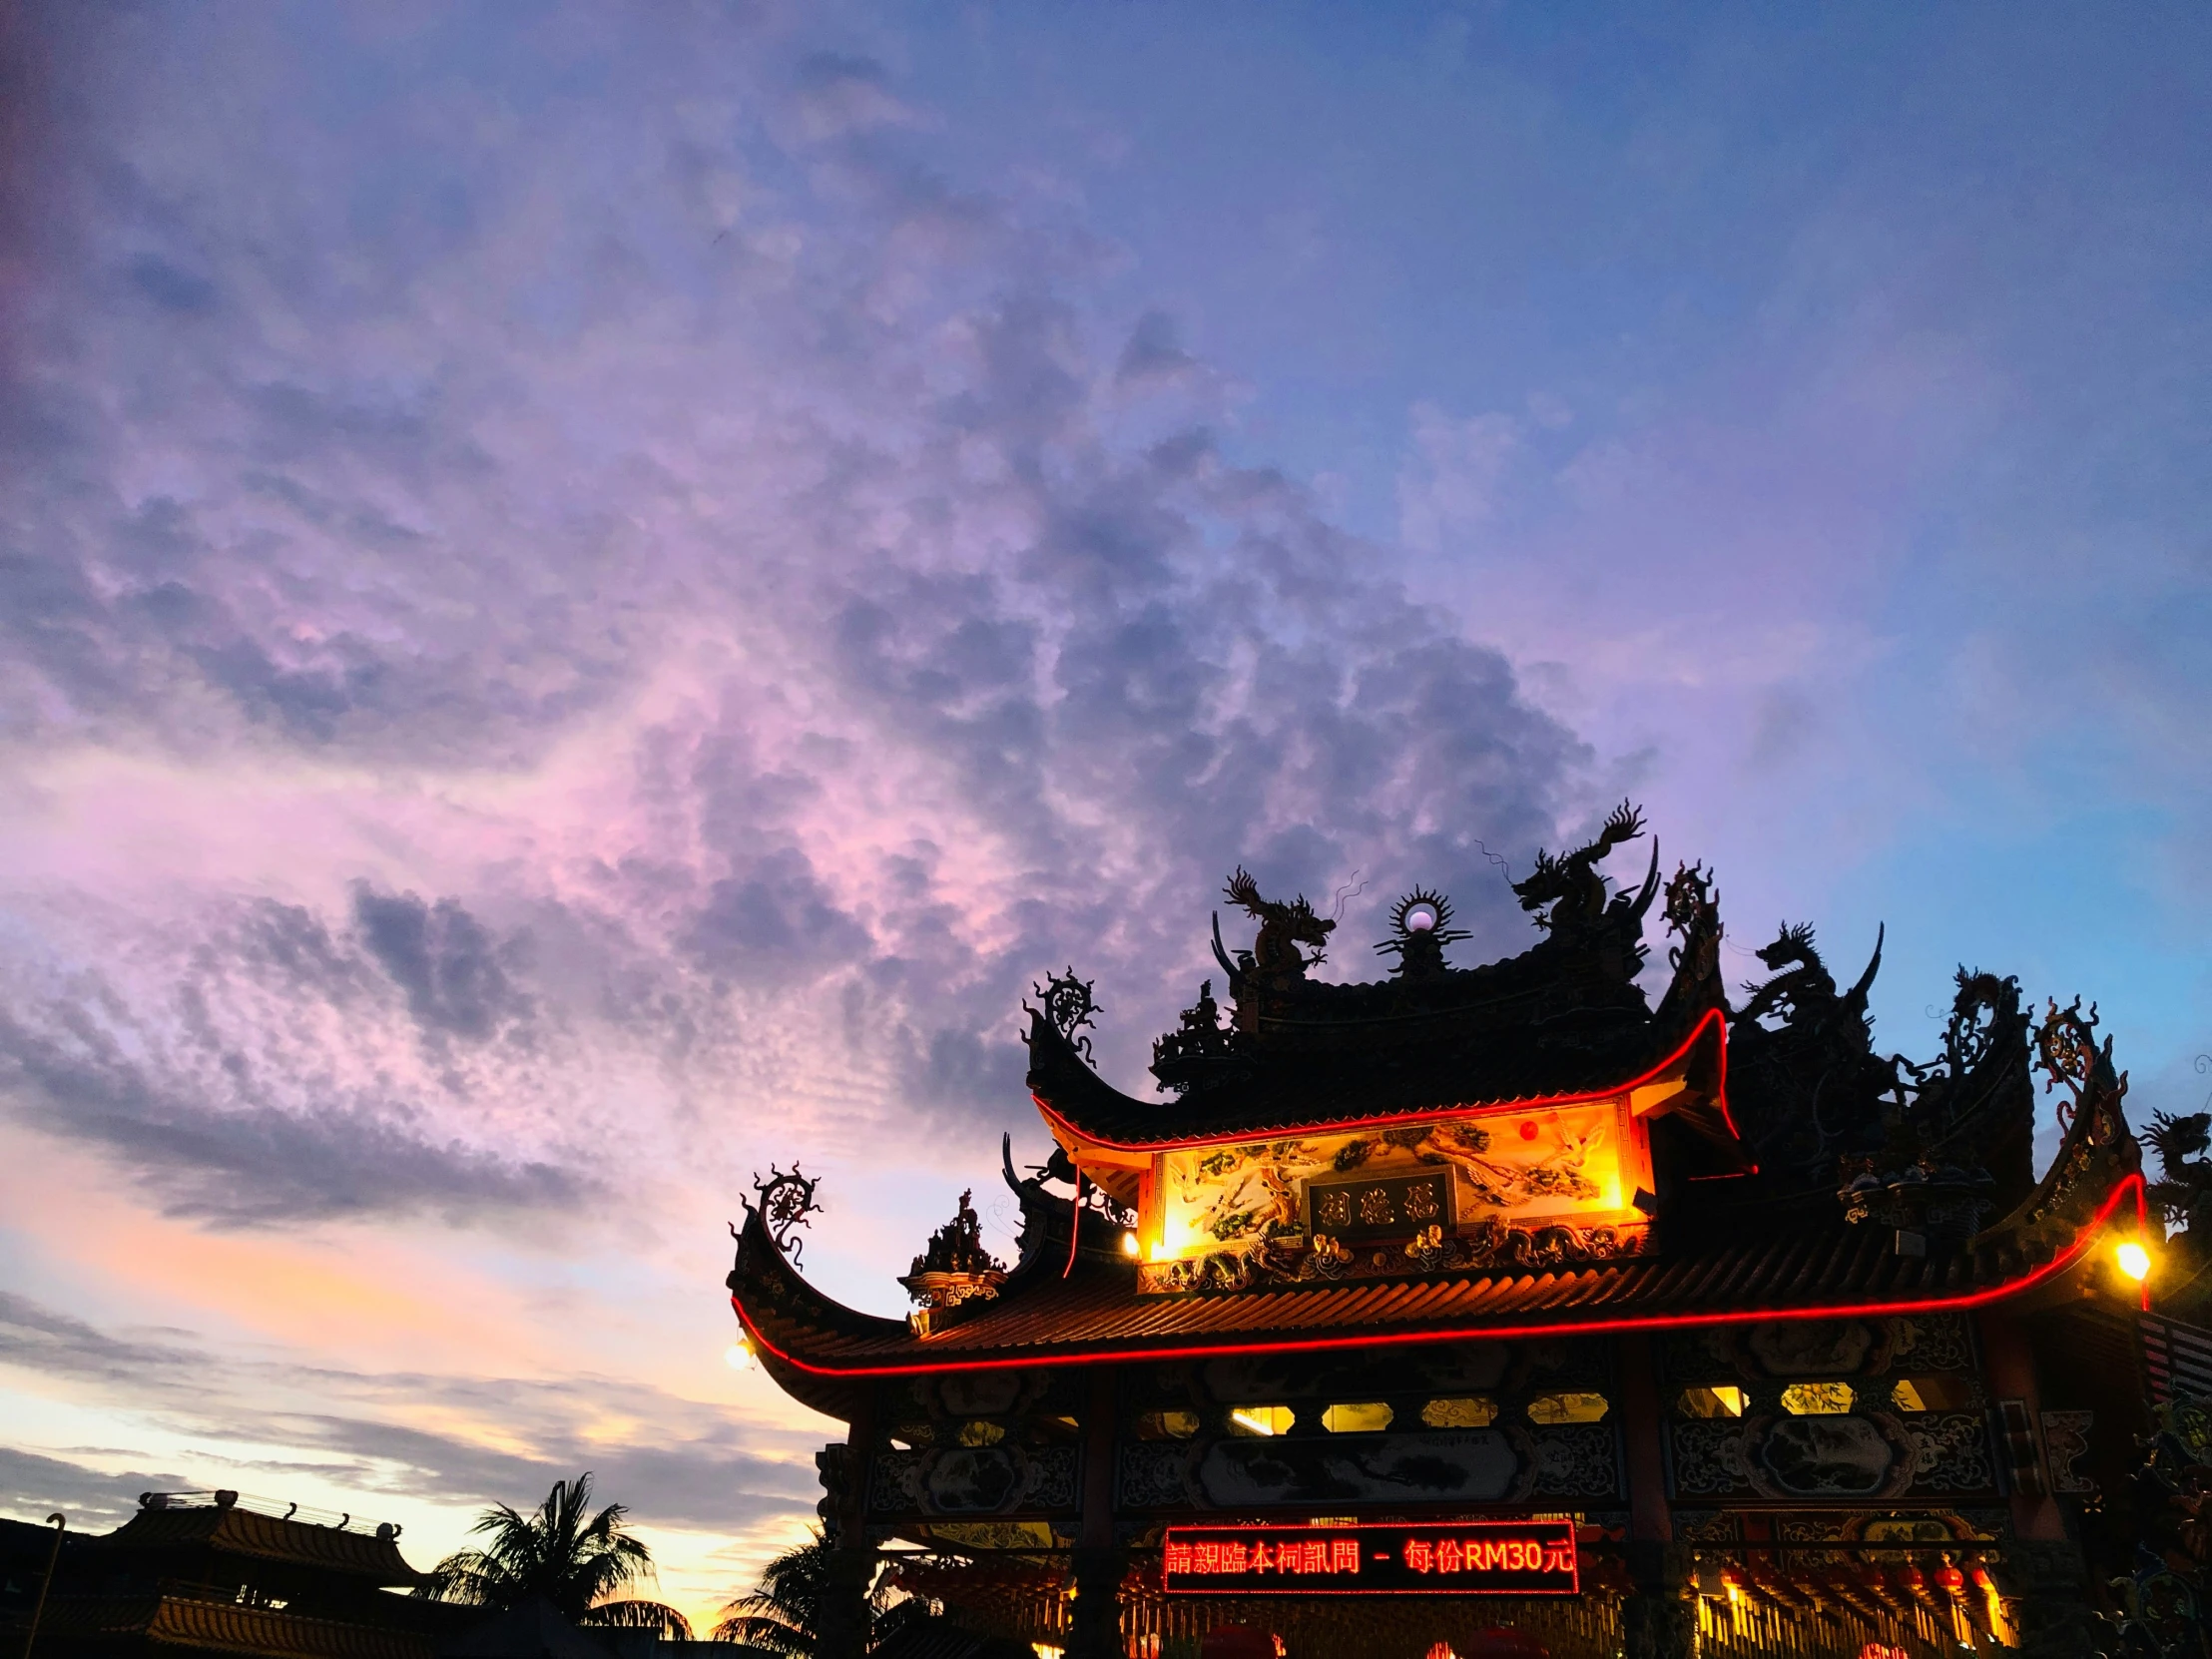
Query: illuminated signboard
[{"x": 1456, "y": 1558}]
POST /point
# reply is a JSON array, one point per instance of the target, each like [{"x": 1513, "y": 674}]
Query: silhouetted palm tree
[
  {"x": 784, "y": 1614},
  {"x": 559, "y": 1556}
]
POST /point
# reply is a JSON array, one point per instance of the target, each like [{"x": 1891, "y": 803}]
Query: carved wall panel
[
  {"x": 1951, "y": 1452},
  {"x": 1739, "y": 1426},
  {"x": 2065, "y": 1443},
  {"x": 1795, "y": 1349},
  {"x": 1579, "y": 1461},
  {"x": 1462, "y": 1423},
  {"x": 1504, "y": 1371},
  {"x": 1846, "y": 1456},
  {"x": 973, "y": 1480},
  {"x": 973, "y": 1408},
  {"x": 1479, "y": 1466},
  {"x": 1390, "y": 1470}
]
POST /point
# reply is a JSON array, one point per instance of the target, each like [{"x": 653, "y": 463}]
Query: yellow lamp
[
  {"x": 740, "y": 1355},
  {"x": 2134, "y": 1261}
]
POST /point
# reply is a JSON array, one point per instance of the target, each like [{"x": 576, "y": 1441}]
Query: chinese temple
[{"x": 1568, "y": 1304}]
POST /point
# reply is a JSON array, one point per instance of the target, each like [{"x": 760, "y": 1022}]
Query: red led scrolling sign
[{"x": 1458, "y": 1558}]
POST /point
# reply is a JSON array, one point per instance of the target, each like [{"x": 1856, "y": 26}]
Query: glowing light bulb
[
  {"x": 1129, "y": 1243},
  {"x": 2134, "y": 1261},
  {"x": 740, "y": 1355}
]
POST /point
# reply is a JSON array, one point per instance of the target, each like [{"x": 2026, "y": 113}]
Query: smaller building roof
[
  {"x": 230, "y": 1529},
  {"x": 206, "y": 1625}
]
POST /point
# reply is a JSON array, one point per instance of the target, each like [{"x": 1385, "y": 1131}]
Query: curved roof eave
[
  {"x": 1085, "y": 1101},
  {"x": 804, "y": 1355}
]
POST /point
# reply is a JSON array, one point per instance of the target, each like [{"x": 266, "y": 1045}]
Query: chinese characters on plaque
[
  {"x": 1367, "y": 1209},
  {"x": 1517, "y": 1557}
]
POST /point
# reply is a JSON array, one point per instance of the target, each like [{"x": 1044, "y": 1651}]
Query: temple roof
[
  {"x": 1090, "y": 1310},
  {"x": 1853, "y": 1184},
  {"x": 233, "y": 1531},
  {"x": 1563, "y": 1020},
  {"x": 1517, "y": 1064}
]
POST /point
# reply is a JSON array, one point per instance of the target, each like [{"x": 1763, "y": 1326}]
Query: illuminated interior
[
  {"x": 1817, "y": 1399},
  {"x": 1459, "y": 1412},
  {"x": 1568, "y": 1407},
  {"x": 1722, "y": 1400},
  {"x": 1364, "y": 1418}
]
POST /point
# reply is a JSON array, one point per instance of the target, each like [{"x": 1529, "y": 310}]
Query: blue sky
[{"x": 588, "y": 594}]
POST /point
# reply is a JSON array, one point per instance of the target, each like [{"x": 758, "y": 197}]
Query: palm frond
[
  {"x": 563, "y": 1554},
  {"x": 665, "y": 1621},
  {"x": 781, "y": 1614},
  {"x": 766, "y": 1635}
]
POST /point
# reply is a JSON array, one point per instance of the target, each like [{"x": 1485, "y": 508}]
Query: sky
[{"x": 588, "y": 594}]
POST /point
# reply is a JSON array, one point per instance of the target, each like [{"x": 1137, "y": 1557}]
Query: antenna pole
[{"x": 60, "y": 1525}]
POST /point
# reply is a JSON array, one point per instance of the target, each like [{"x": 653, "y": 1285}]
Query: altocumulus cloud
[
  {"x": 715, "y": 607},
  {"x": 704, "y": 1465}
]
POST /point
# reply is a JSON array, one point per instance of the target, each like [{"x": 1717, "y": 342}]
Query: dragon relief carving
[
  {"x": 1275, "y": 954},
  {"x": 1255, "y": 1193},
  {"x": 1491, "y": 1246},
  {"x": 1506, "y": 1186},
  {"x": 1256, "y": 1199}
]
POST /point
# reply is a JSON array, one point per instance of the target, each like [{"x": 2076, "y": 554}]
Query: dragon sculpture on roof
[
  {"x": 1569, "y": 884},
  {"x": 1275, "y": 954}
]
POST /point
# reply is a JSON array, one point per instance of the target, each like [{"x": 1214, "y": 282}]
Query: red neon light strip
[
  {"x": 2129, "y": 1186},
  {"x": 1712, "y": 1017},
  {"x": 1075, "y": 1225},
  {"x": 2142, "y": 1228}
]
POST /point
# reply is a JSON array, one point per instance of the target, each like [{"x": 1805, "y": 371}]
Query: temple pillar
[
  {"x": 1649, "y": 1518},
  {"x": 2044, "y": 1567},
  {"x": 2009, "y": 1367},
  {"x": 1098, "y": 1564},
  {"x": 843, "y": 1623},
  {"x": 2052, "y": 1608},
  {"x": 1657, "y": 1620}
]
